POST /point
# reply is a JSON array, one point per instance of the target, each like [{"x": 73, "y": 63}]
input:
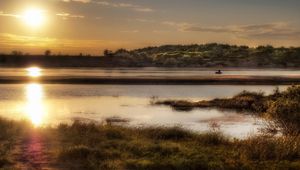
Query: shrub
[
  {"x": 213, "y": 138},
  {"x": 173, "y": 133},
  {"x": 286, "y": 114}
]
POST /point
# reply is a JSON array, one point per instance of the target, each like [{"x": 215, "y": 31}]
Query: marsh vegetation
[
  {"x": 91, "y": 146},
  {"x": 281, "y": 108}
]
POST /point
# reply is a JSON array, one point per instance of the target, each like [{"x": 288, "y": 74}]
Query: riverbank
[
  {"x": 158, "y": 80},
  {"x": 91, "y": 146}
]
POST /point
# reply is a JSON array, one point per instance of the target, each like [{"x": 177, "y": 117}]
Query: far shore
[{"x": 158, "y": 80}]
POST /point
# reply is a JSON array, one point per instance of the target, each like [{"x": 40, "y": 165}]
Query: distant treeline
[
  {"x": 206, "y": 55},
  {"x": 48, "y": 61}
]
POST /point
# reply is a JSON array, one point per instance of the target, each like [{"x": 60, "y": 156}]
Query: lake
[
  {"x": 45, "y": 104},
  {"x": 149, "y": 72}
]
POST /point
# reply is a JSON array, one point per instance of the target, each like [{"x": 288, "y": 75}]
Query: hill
[
  {"x": 206, "y": 55},
  {"x": 211, "y": 55}
]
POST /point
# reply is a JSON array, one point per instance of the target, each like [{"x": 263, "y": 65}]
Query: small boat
[{"x": 219, "y": 72}]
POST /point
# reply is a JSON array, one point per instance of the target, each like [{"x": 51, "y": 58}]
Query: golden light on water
[
  {"x": 34, "y": 72},
  {"x": 34, "y": 17},
  {"x": 35, "y": 108}
]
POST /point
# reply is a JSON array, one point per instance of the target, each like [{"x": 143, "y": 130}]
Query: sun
[
  {"x": 34, "y": 17},
  {"x": 34, "y": 72}
]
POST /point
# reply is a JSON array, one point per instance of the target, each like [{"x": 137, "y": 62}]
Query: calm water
[
  {"x": 54, "y": 104},
  {"x": 150, "y": 72}
]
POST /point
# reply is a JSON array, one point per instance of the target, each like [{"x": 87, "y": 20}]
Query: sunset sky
[{"x": 89, "y": 26}]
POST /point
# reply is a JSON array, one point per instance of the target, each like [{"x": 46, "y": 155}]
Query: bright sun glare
[
  {"x": 34, "y": 72},
  {"x": 34, "y": 17}
]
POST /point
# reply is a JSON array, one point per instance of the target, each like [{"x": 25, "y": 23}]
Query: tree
[
  {"x": 47, "y": 53},
  {"x": 16, "y": 53},
  {"x": 122, "y": 50},
  {"x": 107, "y": 53}
]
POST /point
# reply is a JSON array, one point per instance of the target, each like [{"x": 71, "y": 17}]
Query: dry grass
[{"x": 91, "y": 146}]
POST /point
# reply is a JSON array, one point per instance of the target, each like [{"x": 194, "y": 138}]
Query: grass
[
  {"x": 247, "y": 101},
  {"x": 10, "y": 132},
  {"x": 91, "y": 146},
  {"x": 282, "y": 108}
]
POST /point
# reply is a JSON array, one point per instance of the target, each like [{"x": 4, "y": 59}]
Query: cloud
[
  {"x": 160, "y": 31},
  {"x": 140, "y": 9},
  {"x": 278, "y": 30},
  {"x": 12, "y": 40},
  {"x": 134, "y": 7},
  {"x": 142, "y": 20},
  {"x": 125, "y": 5},
  {"x": 82, "y": 1},
  {"x": 66, "y": 16},
  {"x": 130, "y": 31},
  {"x": 179, "y": 25},
  {"x": 63, "y": 15},
  {"x": 2, "y": 14},
  {"x": 37, "y": 44}
]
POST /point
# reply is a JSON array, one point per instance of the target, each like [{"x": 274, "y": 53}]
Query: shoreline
[
  {"x": 158, "y": 80},
  {"x": 263, "y": 68}
]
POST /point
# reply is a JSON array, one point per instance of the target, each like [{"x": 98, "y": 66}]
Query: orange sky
[{"x": 89, "y": 26}]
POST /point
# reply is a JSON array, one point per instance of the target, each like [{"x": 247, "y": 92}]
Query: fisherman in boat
[{"x": 219, "y": 72}]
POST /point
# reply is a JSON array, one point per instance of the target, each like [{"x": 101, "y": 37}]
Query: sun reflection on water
[
  {"x": 35, "y": 108},
  {"x": 34, "y": 72}
]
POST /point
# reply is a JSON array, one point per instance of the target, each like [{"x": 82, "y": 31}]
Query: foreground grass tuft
[{"x": 173, "y": 133}]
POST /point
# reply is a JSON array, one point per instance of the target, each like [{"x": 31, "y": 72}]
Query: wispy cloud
[
  {"x": 130, "y": 31},
  {"x": 38, "y": 44},
  {"x": 83, "y": 1},
  {"x": 278, "y": 30},
  {"x": 12, "y": 40},
  {"x": 66, "y": 16},
  {"x": 160, "y": 31},
  {"x": 141, "y": 9},
  {"x": 9, "y": 15},
  {"x": 141, "y": 20},
  {"x": 179, "y": 25},
  {"x": 134, "y": 7}
]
